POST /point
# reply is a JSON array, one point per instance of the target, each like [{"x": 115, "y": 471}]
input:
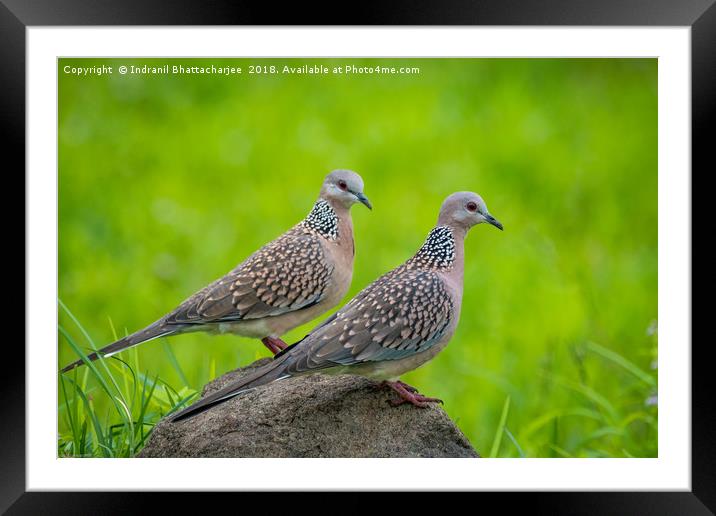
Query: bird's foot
[
  {"x": 407, "y": 387},
  {"x": 409, "y": 394},
  {"x": 274, "y": 344}
]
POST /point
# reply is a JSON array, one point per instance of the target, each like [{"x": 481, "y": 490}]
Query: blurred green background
[{"x": 167, "y": 182}]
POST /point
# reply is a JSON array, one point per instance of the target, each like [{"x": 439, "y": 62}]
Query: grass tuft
[{"x": 129, "y": 400}]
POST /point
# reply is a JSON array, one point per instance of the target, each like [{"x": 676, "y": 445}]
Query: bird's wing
[
  {"x": 402, "y": 313},
  {"x": 288, "y": 274}
]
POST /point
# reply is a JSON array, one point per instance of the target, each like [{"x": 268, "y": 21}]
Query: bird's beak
[
  {"x": 362, "y": 198},
  {"x": 492, "y": 220}
]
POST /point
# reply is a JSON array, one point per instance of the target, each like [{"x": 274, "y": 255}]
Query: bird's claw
[
  {"x": 407, "y": 387},
  {"x": 409, "y": 394},
  {"x": 417, "y": 400}
]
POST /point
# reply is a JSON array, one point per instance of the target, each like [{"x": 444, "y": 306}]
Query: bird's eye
[
  {"x": 342, "y": 185},
  {"x": 471, "y": 206}
]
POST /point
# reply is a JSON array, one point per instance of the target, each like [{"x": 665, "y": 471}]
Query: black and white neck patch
[
  {"x": 323, "y": 220},
  {"x": 438, "y": 249}
]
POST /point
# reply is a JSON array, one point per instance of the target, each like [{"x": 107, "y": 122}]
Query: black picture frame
[{"x": 17, "y": 15}]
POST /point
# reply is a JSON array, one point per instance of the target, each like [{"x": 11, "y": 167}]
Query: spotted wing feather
[
  {"x": 288, "y": 274},
  {"x": 402, "y": 313}
]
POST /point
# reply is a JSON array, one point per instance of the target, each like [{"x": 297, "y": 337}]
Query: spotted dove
[
  {"x": 288, "y": 282},
  {"x": 394, "y": 325}
]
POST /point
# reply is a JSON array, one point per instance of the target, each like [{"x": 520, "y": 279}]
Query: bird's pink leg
[
  {"x": 409, "y": 394},
  {"x": 274, "y": 344},
  {"x": 407, "y": 387}
]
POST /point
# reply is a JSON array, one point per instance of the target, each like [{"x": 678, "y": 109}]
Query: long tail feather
[
  {"x": 152, "y": 331},
  {"x": 275, "y": 370}
]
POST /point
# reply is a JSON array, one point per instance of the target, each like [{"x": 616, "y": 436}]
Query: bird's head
[
  {"x": 344, "y": 187},
  {"x": 464, "y": 210}
]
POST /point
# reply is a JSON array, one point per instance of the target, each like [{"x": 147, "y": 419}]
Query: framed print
[{"x": 342, "y": 175}]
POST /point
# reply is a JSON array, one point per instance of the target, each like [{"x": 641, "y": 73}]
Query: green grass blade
[
  {"x": 68, "y": 413},
  {"x": 89, "y": 363},
  {"x": 560, "y": 451},
  {"x": 500, "y": 429},
  {"x": 111, "y": 327},
  {"x": 622, "y": 362},
  {"x": 83, "y": 440},
  {"x": 131, "y": 392},
  {"x": 174, "y": 362},
  {"x": 169, "y": 395},
  {"x": 545, "y": 419},
  {"x": 101, "y": 438},
  {"x": 83, "y": 356},
  {"x": 607, "y": 431},
  {"x": 592, "y": 395},
  {"x": 77, "y": 322},
  {"x": 130, "y": 430},
  {"x": 638, "y": 416},
  {"x": 146, "y": 399},
  {"x": 520, "y": 451}
]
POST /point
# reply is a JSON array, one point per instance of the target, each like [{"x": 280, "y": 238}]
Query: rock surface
[{"x": 310, "y": 416}]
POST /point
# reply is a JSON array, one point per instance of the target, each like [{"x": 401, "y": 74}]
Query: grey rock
[{"x": 310, "y": 416}]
